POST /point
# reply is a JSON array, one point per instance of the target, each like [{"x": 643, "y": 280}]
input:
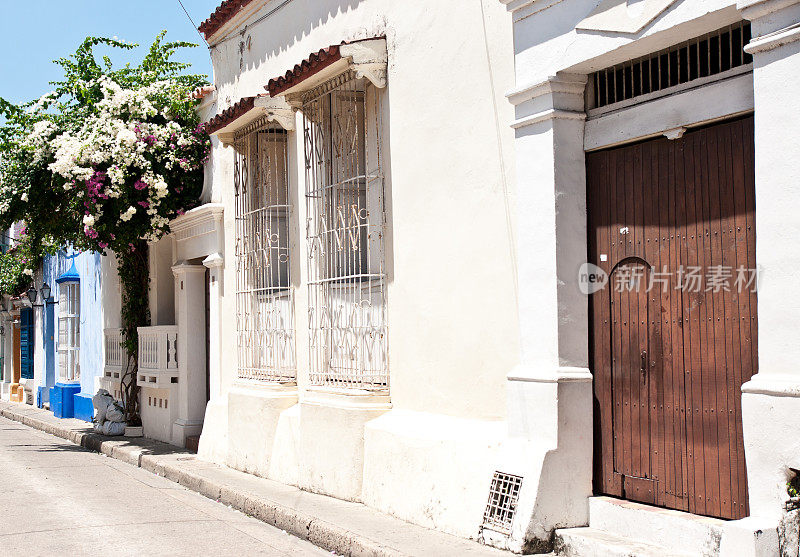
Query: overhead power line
[{"x": 194, "y": 25}]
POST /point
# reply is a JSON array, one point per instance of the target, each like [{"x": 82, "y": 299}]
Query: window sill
[{"x": 356, "y": 399}]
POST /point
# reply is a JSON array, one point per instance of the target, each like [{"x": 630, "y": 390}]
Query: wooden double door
[{"x": 674, "y": 331}]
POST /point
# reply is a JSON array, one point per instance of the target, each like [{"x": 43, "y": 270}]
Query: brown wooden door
[{"x": 674, "y": 330}]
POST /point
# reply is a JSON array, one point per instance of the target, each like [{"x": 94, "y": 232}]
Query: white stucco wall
[
  {"x": 450, "y": 259},
  {"x": 450, "y": 199}
]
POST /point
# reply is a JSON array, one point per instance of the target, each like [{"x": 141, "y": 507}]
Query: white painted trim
[
  {"x": 346, "y": 398},
  {"x": 571, "y": 84},
  {"x": 273, "y": 109},
  {"x": 267, "y": 388},
  {"x": 773, "y": 384},
  {"x": 214, "y": 261},
  {"x": 613, "y": 16},
  {"x": 368, "y": 59},
  {"x": 733, "y": 96},
  {"x": 182, "y": 268},
  {"x": 197, "y": 222},
  {"x": 754, "y": 9},
  {"x": 522, "y": 9},
  {"x": 551, "y": 114},
  {"x": 774, "y": 40},
  {"x": 529, "y": 374}
]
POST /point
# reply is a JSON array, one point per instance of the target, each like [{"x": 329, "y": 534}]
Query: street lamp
[
  {"x": 45, "y": 290},
  {"x": 33, "y": 294}
]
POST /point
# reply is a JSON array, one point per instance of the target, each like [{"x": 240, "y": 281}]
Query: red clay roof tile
[
  {"x": 221, "y": 16},
  {"x": 230, "y": 114},
  {"x": 317, "y": 62}
]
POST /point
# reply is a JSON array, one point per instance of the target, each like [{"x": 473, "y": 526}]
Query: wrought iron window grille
[
  {"x": 346, "y": 227},
  {"x": 265, "y": 323}
]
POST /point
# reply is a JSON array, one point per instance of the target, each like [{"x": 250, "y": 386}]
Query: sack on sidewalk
[
  {"x": 100, "y": 401},
  {"x": 113, "y": 428},
  {"x": 115, "y": 413}
]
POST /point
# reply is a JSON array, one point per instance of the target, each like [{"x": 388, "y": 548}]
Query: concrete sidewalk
[{"x": 342, "y": 527}]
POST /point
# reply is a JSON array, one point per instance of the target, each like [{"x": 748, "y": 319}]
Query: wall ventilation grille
[
  {"x": 502, "y": 504},
  {"x": 704, "y": 56}
]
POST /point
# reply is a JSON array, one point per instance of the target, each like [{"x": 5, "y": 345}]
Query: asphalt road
[{"x": 59, "y": 499}]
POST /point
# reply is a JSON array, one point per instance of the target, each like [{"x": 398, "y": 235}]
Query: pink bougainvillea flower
[
  {"x": 140, "y": 185},
  {"x": 144, "y": 204}
]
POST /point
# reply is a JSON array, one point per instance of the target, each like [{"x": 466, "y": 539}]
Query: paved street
[{"x": 58, "y": 498}]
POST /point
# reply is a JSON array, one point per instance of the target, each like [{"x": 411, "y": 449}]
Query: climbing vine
[{"x": 104, "y": 163}]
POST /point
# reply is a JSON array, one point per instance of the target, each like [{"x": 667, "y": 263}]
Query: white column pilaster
[
  {"x": 550, "y": 393},
  {"x": 191, "y": 321},
  {"x": 771, "y": 399}
]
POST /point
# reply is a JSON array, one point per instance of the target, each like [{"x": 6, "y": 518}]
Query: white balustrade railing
[
  {"x": 115, "y": 353},
  {"x": 158, "y": 349}
]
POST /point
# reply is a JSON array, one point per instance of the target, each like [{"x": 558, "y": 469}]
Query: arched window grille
[
  {"x": 346, "y": 230},
  {"x": 264, "y": 299}
]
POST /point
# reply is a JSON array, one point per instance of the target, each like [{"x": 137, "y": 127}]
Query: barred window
[
  {"x": 346, "y": 230},
  {"x": 264, "y": 300},
  {"x": 69, "y": 330}
]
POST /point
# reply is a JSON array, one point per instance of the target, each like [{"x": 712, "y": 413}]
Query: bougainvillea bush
[
  {"x": 104, "y": 163},
  {"x": 113, "y": 154}
]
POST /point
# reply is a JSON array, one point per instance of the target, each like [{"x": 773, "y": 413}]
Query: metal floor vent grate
[
  {"x": 701, "y": 57},
  {"x": 502, "y": 504}
]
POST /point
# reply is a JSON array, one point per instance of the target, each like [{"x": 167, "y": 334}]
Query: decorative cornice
[
  {"x": 214, "y": 261},
  {"x": 197, "y": 222},
  {"x": 531, "y": 374},
  {"x": 569, "y": 84},
  {"x": 774, "y": 40},
  {"x": 754, "y": 9},
  {"x": 551, "y": 114},
  {"x": 368, "y": 58},
  {"x": 183, "y": 267},
  {"x": 273, "y": 109}
]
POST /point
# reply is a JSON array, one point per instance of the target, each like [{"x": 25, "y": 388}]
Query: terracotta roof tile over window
[
  {"x": 221, "y": 16},
  {"x": 230, "y": 114},
  {"x": 317, "y": 62}
]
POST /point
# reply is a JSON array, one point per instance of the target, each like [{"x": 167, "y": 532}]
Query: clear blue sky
[{"x": 33, "y": 33}]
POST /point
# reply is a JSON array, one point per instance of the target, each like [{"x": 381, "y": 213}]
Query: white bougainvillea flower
[{"x": 128, "y": 215}]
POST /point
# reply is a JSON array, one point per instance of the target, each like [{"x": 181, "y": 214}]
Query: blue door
[
  {"x": 26, "y": 343},
  {"x": 49, "y": 344}
]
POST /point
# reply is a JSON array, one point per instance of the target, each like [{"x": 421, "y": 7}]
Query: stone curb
[{"x": 319, "y": 532}]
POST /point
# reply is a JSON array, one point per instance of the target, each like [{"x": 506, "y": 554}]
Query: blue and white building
[{"x": 67, "y": 340}]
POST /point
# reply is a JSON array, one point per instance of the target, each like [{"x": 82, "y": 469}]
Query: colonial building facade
[
  {"x": 650, "y": 144},
  {"x": 363, "y": 318},
  {"x": 516, "y": 270}
]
